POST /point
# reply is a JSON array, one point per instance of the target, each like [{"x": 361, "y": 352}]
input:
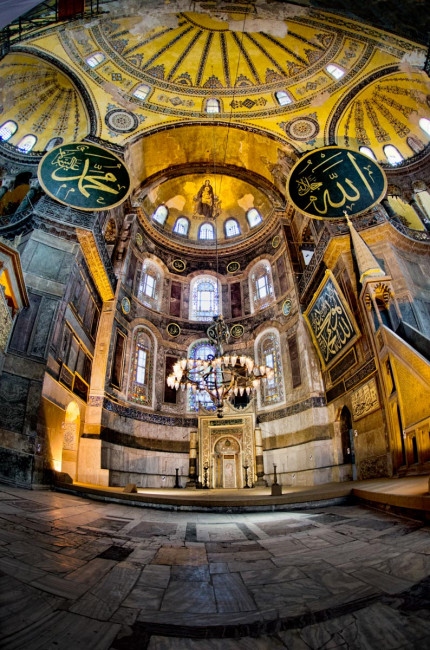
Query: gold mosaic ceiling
[
  {"x": 241, "y": 54},
  {"x": 233, "y": 199},
  {"x": 42, "y": 100}
]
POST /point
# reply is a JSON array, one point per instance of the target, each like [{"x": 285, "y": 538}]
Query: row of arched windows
[
  {"x": 267, "y": 351},
  {"x": 207, "y": 230},
  {"x": 205, "y": 300},
  {"x": 27, "y": 142},
  {"x": 212, "y": 105}
]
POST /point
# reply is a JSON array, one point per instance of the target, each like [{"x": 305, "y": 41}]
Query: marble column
[
  {"x": 7, "y": 183},
  {"x": 423, "y": 217},
  {"x": 260, "y": 482},
  {"x": 388, "y": 209},
  {"x": 192, "y": 475},
  {"x": 27, "y": 201}
]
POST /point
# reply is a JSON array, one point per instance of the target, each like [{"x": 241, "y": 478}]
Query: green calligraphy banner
[
  {"x": 326, "y": 182},
  {"x": 331, "y": 323},
  {"x": 84, "y": 176}
]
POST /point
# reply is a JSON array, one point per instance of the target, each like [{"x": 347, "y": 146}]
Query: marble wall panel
[{"x": 13, "y": 397}]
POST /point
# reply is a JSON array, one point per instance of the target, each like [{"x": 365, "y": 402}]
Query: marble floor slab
[{"x": 79, "y": 574}]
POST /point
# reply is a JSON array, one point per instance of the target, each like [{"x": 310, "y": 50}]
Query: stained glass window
[
  {"x": 367, "y": 152},
  {"x": 150, "y": 284},
  {"x": 283, "y": 98},
  {"x": 27, "y": 143},
  {"x": 142, "y": 91},
  {"x": 394, "y": 156},
  {"x": 268, "y": 353},
  {"x": 254, "y": 217},
  {"x": 261, "y": 285},
  {"x": 206, "y": 231},
  {"x": 335, "y": 71},
  {"x": 200, "y": 350},
  {"x": 95, "y": 59},
  {"x": 181, "y": 226},
  {"x": 204, "y": 303},
  {"x": 231, "y": 228},
  {"x": 425, "y": 125},
  {"x": 7, "y": 130},
  {"x": 54, "y": 142},
  {"x": 213, "y": 106},
  {"x": 141, "y": 371},
  {"x": 160, "y": 215}
]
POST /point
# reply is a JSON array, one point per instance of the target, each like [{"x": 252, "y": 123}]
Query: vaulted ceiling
[{"x": 241, "y": 54}]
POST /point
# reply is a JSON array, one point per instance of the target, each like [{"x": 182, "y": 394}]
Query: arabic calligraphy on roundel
[
  {"x": 321, "y": 199},
  {"x": 330, "y": 323},
  {"x": 90, "y": 174}
]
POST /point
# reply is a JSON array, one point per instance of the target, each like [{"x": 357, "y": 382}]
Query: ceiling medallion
[
  {"x": 276, "y": 241},
  {"x": 125, "y": 306},
  {"x": 237, "y": 331},
  {"x": 232, "y": 267},
  {"x": 173, "y": 330},
  {"x": 121, "y": 121},
  {"x": 302, "y": 128},
  {"x": 178, "y": 265},
  {"x": 139, "y": 239},
  {"x": 286, "y": 307}
]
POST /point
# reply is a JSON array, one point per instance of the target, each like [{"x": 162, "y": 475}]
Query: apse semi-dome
[
  {"x": 200, "y": 209},
  {"x": 389, "y": 113},
  {"x": 55, "y": 112}
]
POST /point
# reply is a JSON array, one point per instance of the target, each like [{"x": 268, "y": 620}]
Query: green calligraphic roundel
[
  {"x": 84, "y": 176},
  {"x": 173, "y": 329},
  {"x": 325, "y": 183}
]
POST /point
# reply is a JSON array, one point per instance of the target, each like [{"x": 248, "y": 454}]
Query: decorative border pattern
[
  {"x": 311, "y": 402},
  {"x": 135, "y": 414}
]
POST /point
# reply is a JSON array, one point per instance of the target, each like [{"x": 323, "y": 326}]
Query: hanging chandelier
[{"x": 221, "y": 376}]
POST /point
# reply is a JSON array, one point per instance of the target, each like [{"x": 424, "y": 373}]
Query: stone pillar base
[{"x": 260, "y": 482}]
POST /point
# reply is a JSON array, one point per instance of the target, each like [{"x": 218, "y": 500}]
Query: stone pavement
[{"x": 79, "y": 574}]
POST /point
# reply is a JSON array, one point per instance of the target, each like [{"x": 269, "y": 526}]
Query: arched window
[
  {"x": 26, "y": 143},
  {"x": 181, "y": 226},
  {"x": 95, "y": 59},
  {"x": 213, "y": 106},
  {"x": 54, "y": 142},
  {"x": 394, "y": 156},
  {"x": 8, "y": 129},
  {"x": 142, "y": 91},
  {"x": 283, "y": 98},
  {"x": 142, "y": 368},
  {"x": 261, "y": 285},
  {"x": 231, "y": 228},
  {"x": 335, "y": 71},
  {"x": 416, "y": 144},
  {"x": 160, "y": 215},
  {"x": 206, "y": 231},
  {"x": 200, "y": 350},
  {"x": 254, "y": 217},
  {"x": 204, "y": 301},
  {"x": 149, "y": 291},
  {"x": 367, "y": 152},
  {"x": 425, "y": 125},
  {"x": 268, "y": 353}
]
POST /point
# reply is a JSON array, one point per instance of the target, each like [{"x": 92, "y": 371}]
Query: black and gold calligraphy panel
[
  {"x": 84, "y": 176},
  {"x": 331, "y": 323},
  {"x": 328, "y": 182}
]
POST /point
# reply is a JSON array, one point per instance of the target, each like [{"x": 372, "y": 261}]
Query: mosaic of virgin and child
[{"x": 206, "y": 203}]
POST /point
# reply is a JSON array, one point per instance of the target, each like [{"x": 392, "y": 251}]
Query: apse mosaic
[{"x": 197, "y": 204}]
